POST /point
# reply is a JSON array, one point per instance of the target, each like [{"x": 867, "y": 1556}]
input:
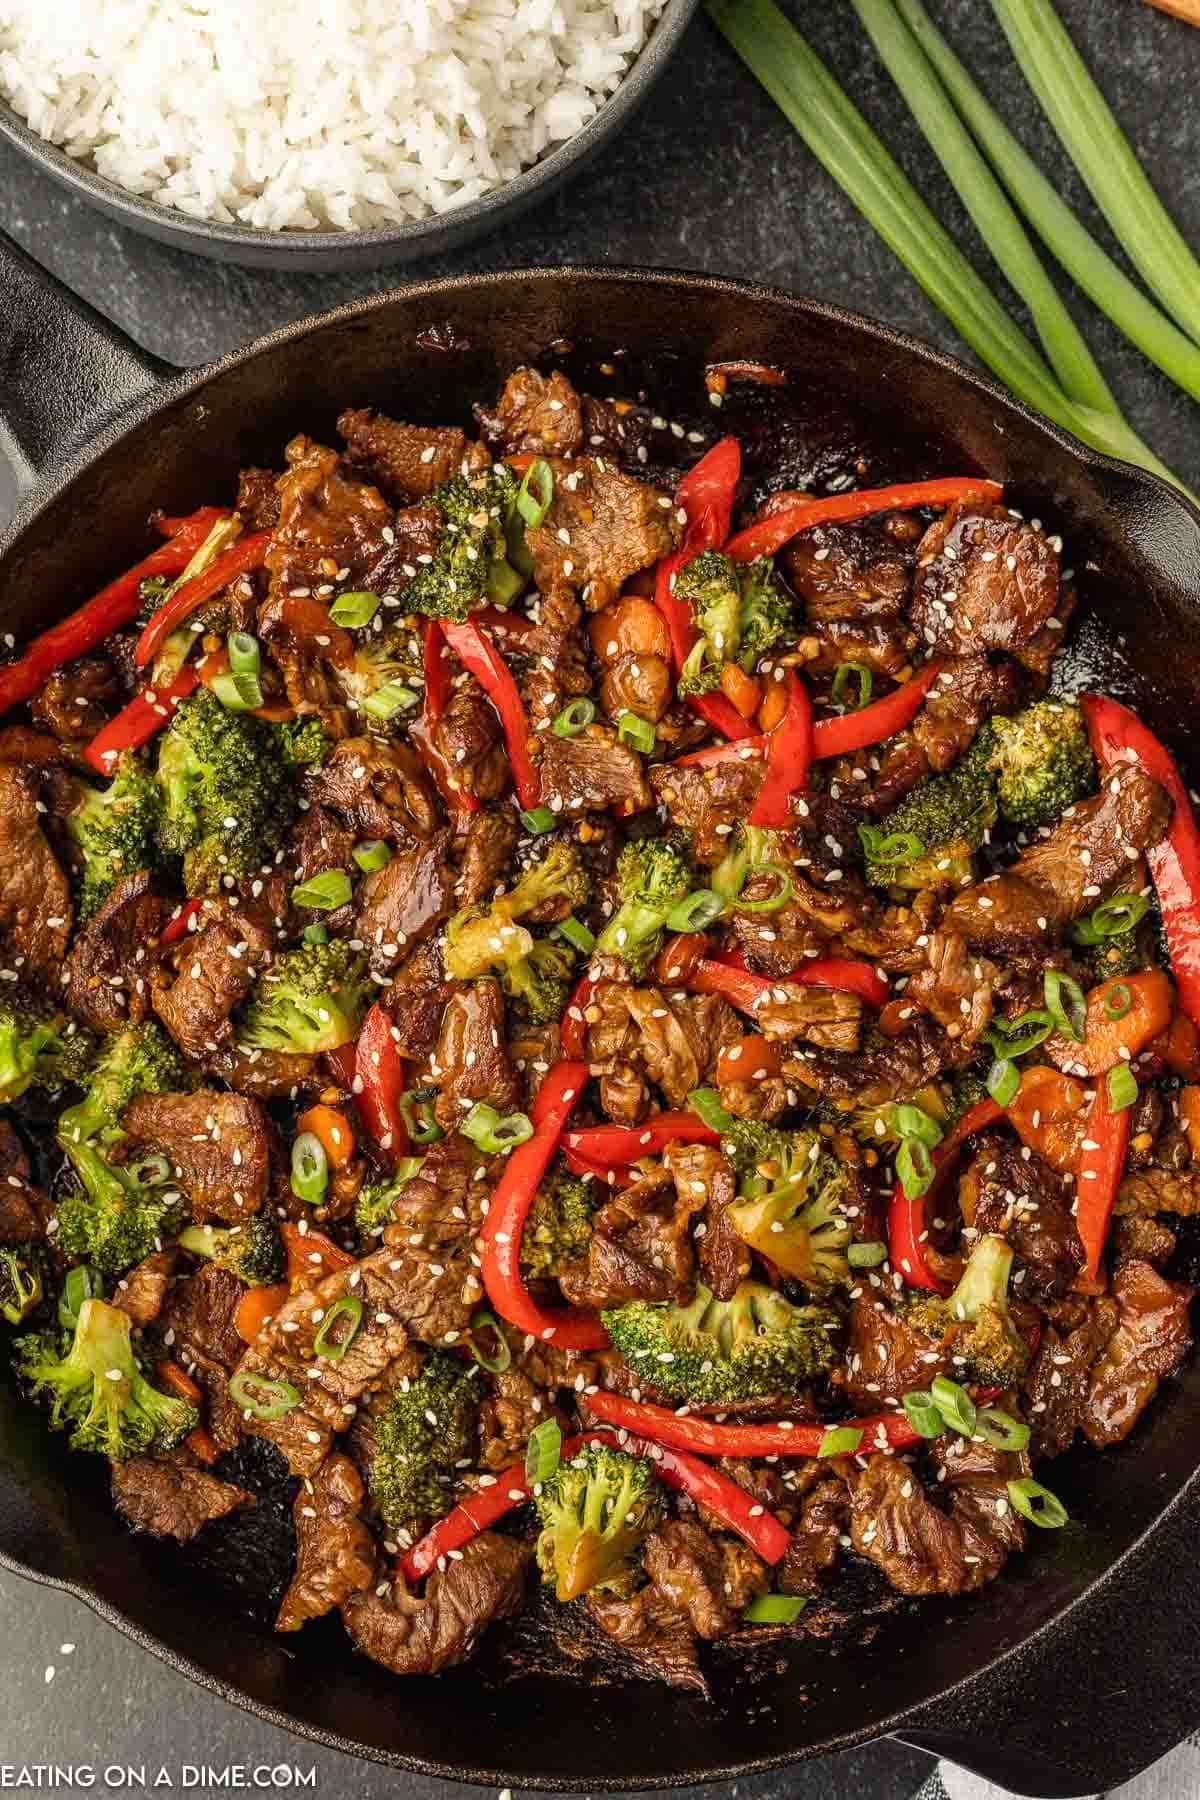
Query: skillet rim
[{"x": 74, "y": 461}]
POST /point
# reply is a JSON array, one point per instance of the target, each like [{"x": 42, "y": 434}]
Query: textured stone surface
[{"x": 710, "y": 177}]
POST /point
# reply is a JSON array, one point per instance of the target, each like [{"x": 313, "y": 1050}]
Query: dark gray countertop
[{"x": 708, "y": 177}]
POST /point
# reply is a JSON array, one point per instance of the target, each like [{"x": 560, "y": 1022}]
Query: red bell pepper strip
[
  {"x": 1118, "y": 736},
  {"x": 477, "y": 653},
  {"x": 178, "y": 926},
  {"x": 573, "y": 1030},
  {"x": 789, "y": 757},
  {"x": 437, "y": 693},
  {"x": 97, "y": 619},
  {"x": 499, "y": 618},
  {"x": 310, "y": 1254},
  {"x": 615, "y": 1146},
  {"x": 1098, "y": 1175},
  {"x": 379, "y": 1083},
  {"x": 500, "y": 1240},
  {"x": 744, "y": 751},
  {"x": 200, "y": 521},
  {"x": 138, "y": 722},
  {"x": 876, "y": 723},
  {"x": 906, "y": 1217},
  {"x": 747, "y": 991},
  {"x": 247, "y": 554},
  {"x": 705, "y": 1437},
  {"x": 767, "y": 536},
  {"x": 587, "y": 1166}
]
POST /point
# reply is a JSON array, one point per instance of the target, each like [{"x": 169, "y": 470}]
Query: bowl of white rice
[{"x": 323, "y": 134}]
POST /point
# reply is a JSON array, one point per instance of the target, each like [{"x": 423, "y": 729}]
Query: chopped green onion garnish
[
  {"x": 374, "y": 854},
  {"x": 149, "y": 1171},
  {"x": 840, "y": 1440},
  {"x": 914, "y": 1168},
  {"x": 923, "y": 1415},
  {"x": 705, "y": 1102},
  {"x": 696, "y": 911},
  {"x": 1122, "y": 1087},
  {"x": 486, "y": 1321},
  {"x": 542, "y": 1451},
  {"x": 775, "y": 1609},
  {"x": 1000, "y": 1429},
  {"x": 354, "y": 609},
  {"x": 493, "y": 1134},
  {"x": 539, "y": 819},
  {"x": 315, "y": 934},
  {"x": 891, "y": 848},
  {"x": 780, "y": 895},
  {"x": 575, "y": 715},
  {"x": 237, "y": 693},
  {"x": 326, "y": 891},
  {"x": 1065, "y": 1004},
  {"x": 536, "y": 492},
  {"x": 1117, "y": 1001},
  {"x": 851, "y": 675},
  {"x": 310, "y": 1169},
  {"x": 419, "y": 1116},
  {"x": 954, "y": 1403},
  {"x": 1115, "y": 917},
  {"x": 1003, "y": 1081},
  {"x": 914, "y": 1122},
  {"x": 577, "y": 934},
  {"x": 348, "y": 1308},
  {"x": 866, "y": 1256},
  {"x": 1011, "y": 1038},
  {"x": 80, "y": 1284},
  {"x": 389, "y": 699},
  {"x": 637, "y": 732},
  {"x": 1037, "y": 1504},
  {"x": 262, "y": 1397},
  {"x": 245, "y": 657}
]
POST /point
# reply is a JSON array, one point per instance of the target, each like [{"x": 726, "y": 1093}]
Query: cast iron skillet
[
  {"x": 1076, "y": 1667},
  {"x": 341, "y": 250}
]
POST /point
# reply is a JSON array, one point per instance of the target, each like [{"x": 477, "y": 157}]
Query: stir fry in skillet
[{"x": 617, "y": 1035}]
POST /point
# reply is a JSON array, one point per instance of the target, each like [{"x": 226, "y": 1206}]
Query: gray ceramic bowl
[{"x": 346, "y": 250}]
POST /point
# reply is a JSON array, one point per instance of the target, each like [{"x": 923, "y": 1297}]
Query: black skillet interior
[{"x": 1061, "y": 1711}]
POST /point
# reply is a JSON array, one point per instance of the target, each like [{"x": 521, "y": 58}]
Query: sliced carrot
[
  {"x": 257, "y": 1305},
  {"x": 740, "y": 689},
  {"x": 774, "y": 705},
  {"x": 202, "y": 1444},
  {"x": 1189, "y": 1118},
  {"x": 1049, "y": 1114},
  {"x": 1180, "y": 1050},
  {"x": 333, "y": 1130},
  {"x": 1108, "y": 1040},
  {"x": 520, "y": 460},
  {"x": 743, "y": 1061},
  {"x": 310, "y": 1254},
  {"x": 170, "y": 1375},
  {"x": 630, "y": 626}
]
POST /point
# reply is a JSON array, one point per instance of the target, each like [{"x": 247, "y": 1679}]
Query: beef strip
[
  {"x": 469, "y": 740},
  {"x": 886, "y": 1356},
  {"x": 710, "y": 1580},
  {"x": 24, "y": 1208},
  {"x": 106, "y": 971},
  {"x": 535, "y": 412},
  {"x": 380, "y": 789},
  {"x": 257, "y": 502},
  {"x": 897, "y": 1067},
  {"x": 509, "y": 1413},
  {"x": 1135, "y": 1238},
  {"x": 1008, "y": 1191},
  {"x": 416, "y": 1000},
  {"x": 472, "y": 1060},
  {"x": 487, "y": 850},
  {"x": 969, "y": 690},
  {"x": 1056, "y": 1383},
  {"x": 327, "y": 522},
  {"x": 556, "y": 652},
  {"x": 216, "y": 970},
  {"x": 319, "y": 841},
  {"x": 591, "y": 771},
  {"x": 36, "y": 912},
  {"x": 640, "y": 1247},
  {"x": 75, "y": 702},
  {"x": 197, "y": 1319},
  {"x": 984, "y": 581},
  {"x": 701, "y": 1172},
  {"x": 672, "y": 1039},
  {"x": 441, "y": 1207},
  {"x": 813, "y": 1552},
  {"x": 955, "y": 987},
  {"x": 708, "y": 802},
  {"x": 1157, "y": 1190},
  {"x": 142, "y": 1291},
  {"x": 854, "y": 582},
  {"x": 823, "y": 1016},
  {"x": 401, "y": 903},
  {"x": 602, "y": 527},
  {"x": 335, "y": 1552},
  {"x": 262, "y": 1074},
  {"x": 923, "y": 1549},
  {"x": 169, "y": 1497},
  {"x": 421, "y": 1636},
  {"x": 407, "y": 462},
  {"x": 219, "y": 1146},
  {"x": 1151, "y": 1339},
  {"x": 311, "y": 653},
  {"x": 654, "y": 1632}
]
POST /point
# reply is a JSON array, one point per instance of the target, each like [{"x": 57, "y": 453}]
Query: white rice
[{"x": 314, "y": 114}]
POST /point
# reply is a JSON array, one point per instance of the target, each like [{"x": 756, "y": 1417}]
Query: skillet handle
[{"x": 64, "y": 370}]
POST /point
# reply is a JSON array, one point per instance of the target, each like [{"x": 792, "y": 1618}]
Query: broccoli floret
[
  {"x": 1043, "y": 762},
  {"x": 967, "y": 1085},
  {"x": 389, "y": 659},
  {"x": 974, "y": 1321},
  {"x": 930, "y": 839},
  {"x": 114, "y": 1219},
  {"x": 253, "y": 1251},
  {"x": 559, "y": 1226},
  {"x": 310, "y": 999},
  {"x": 595, "y": 1513},
  {"x": 116, "y": 830},
  {"x": 40, "y": 1049},
  {"x": 480, "y": 938},
  {"x": 228, "y": 790},
  {"x": 22, "y": 1281},
  {"x": 653, "y": 875},
  {"x": 541, "y": 979},
  {"x": 140, "y": 1059},
  {"x": 739, "y": 614},
  {"x": 722, "y": 1352},
  {"x": 426, "y": 1428},
  {"x": 470, "y": 565},
  {"x": 96, "y": 1391},
  {"x": 373, "y": 1208},
  {"x": 303, "y": 741},
  {"x": 791, "y": 1192}
]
